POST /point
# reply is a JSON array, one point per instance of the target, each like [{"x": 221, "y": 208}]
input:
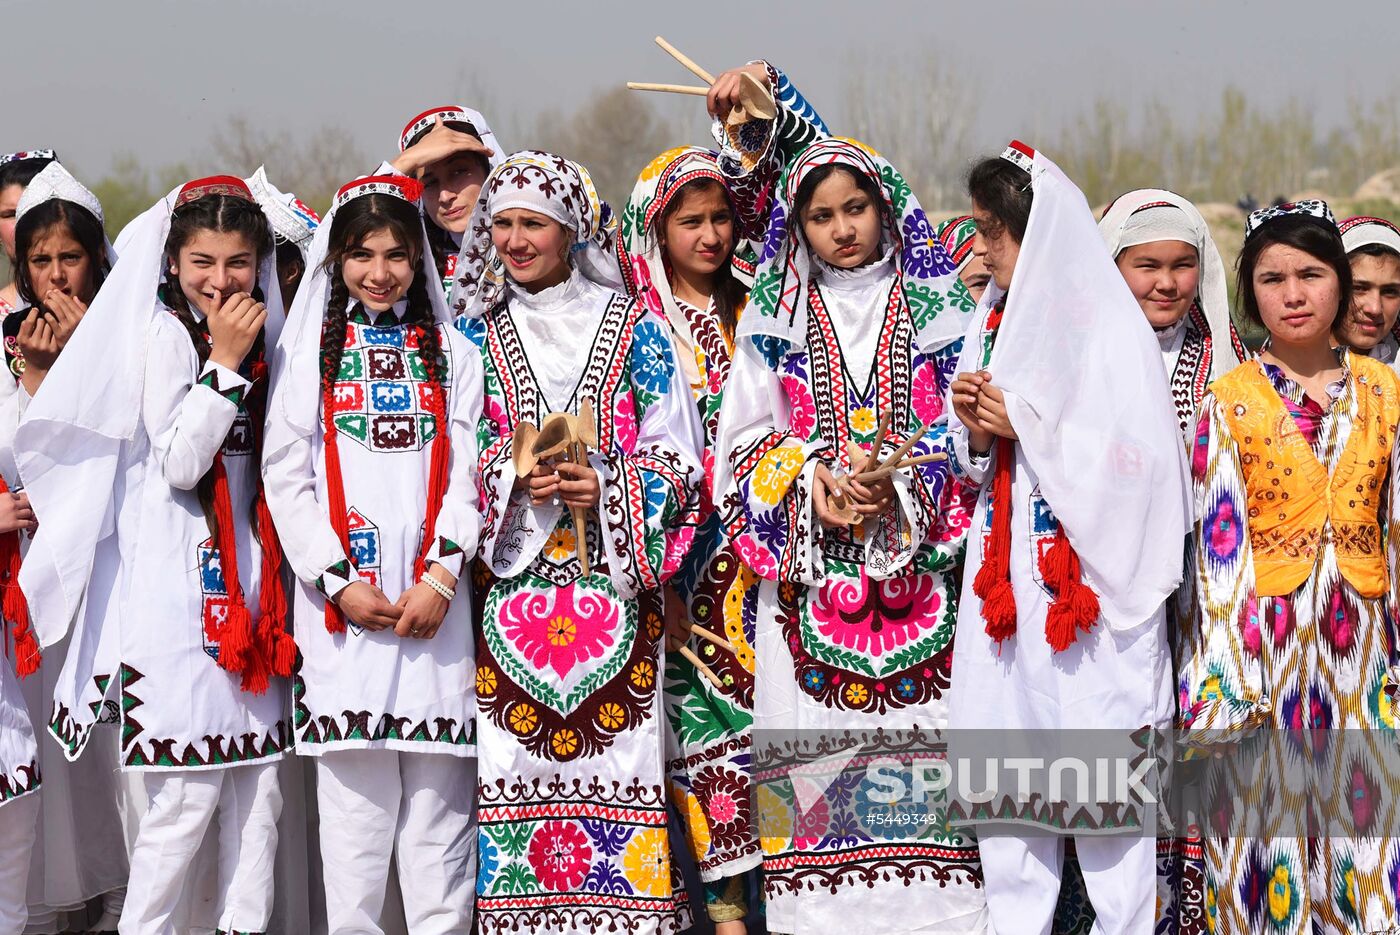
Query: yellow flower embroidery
[
  {"x": 644, "y": 675},
  {"x": 564, "y": 742},
  {"x": 523, "y": 719},
  {"x": 611, "y": 716},
  {"x": 562, "y": 631},
  {"x": 857, "y": 694},
  {"x": 863, "y": 420},
  {"x": 698, "y": 827},
  {"x": 560, "y": 544},
  {"x": 774, "y": 821},
  {"x": 647, "y": 862},
  {"x": 776, "y": 472},
  {"x": 485, "y": 681},
  {"x": 654, "y": 167}
]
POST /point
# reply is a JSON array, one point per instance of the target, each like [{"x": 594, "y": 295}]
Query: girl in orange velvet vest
[{"x": 1286, "y": 674}]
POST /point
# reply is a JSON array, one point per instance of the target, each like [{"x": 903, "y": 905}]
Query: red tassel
[
  {"x": 335, "y": 492},
  {"x": 236, "y": 635},
  {"x": 1076, "y": 606},
  {"x": 993, "y": 581},
  {"x": 437, "y": 466},
  {"x": 13, "y": 605},
  {"x": 273, "y": 639}
]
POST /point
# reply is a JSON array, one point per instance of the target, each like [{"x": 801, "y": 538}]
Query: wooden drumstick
[
  {"x": 705, "y": 670},
  {"x": 712, "y": 636},
  {"x": 685, "y": 60},
  {"x": 669, "y": 88}
]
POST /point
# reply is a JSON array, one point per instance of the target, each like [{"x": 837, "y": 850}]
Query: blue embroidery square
[
  {"x": 364, "y": 547},
  {"x": 211, "y": 571},
  {"x": 390, "y": 397},
  {"x": 384, "y": 337}
]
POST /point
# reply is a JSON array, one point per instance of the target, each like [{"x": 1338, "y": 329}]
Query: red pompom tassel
[
  {"x": 1076, "y": 606},
  {"x": 993, "y": 581}
]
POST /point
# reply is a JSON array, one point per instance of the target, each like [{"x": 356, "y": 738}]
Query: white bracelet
[{"x": 446, "y": 592}]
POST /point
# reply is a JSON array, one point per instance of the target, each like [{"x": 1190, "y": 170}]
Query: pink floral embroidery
[
  {"x": 926, "y": 398},
  {"x": 804, "y": 408},
  {"x": 494, "y": 411},
  {"x": 626, "y": 423},
  {"x": 575, "y": 627},
  {"x": 560, "y": 855},
  {"x": 756, "y": 556},
  {"x": 650, "y": 299},
  {"x": 876, "y": 617}
]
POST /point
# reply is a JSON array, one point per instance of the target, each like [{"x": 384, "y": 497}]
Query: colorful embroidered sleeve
[
  {"x": 1392, "y": 535},
  {"x": 187, "y": 418},
  {"x": 459, "y": 522},
  {"x": 1220, "y": 683},
  {"x": 651, "y": 487},
  {"x": 753, "y": 154},
  {"x": 764, "y": 481}
]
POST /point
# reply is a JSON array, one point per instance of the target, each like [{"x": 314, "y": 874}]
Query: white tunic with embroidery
[
  {"x": 365, "y": 689},
  {"x": 177, "y": 707}
]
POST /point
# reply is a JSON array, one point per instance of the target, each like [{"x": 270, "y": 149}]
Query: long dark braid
[{"x": 333, "y": 329}]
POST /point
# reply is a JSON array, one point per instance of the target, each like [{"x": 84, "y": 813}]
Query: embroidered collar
[
  {"x": 390, "y": 318},
  {"x": 835, "y": 277},
  {"x": 550, "y": 299}
]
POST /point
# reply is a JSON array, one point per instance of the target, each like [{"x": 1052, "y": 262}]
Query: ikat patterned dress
[
  {"x": 1294, "y": 691},
  {"x": 572, "y": 815}
]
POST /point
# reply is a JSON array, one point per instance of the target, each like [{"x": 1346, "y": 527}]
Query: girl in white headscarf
[
  {"x": 157, "y": 539},
  {"x": 1063, "y": 421},
  {"x": 370, "y": 456},
  {"x": 573, "y": 798},
  {"x": 1164, "y": 249},
  {"x": 16, "y": 171},
  {"x": 62, "y": 258}
]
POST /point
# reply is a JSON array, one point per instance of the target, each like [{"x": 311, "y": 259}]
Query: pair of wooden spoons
[
  {"x": 561, "y": 435},
  {"x": 755, "y": 101}
]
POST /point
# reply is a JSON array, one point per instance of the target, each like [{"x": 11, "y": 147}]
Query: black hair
[
  {"x": 443, "y": 246},
  {"x": 22, "y": 171},
  {"x": 821, "y": 173},
  {"x": 1003, "y": 190},
  {"x": 729, "y": 293},
  {"x": 353, "y": 224},
  {"x": 1311, "y": 235},
  {"x": 1379, "y": 250},
  {"x": 224, "y": 214},
  {"x": 82, "y": 226}
]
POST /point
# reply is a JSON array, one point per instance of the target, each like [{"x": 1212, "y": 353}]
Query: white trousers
[
  {"x": 1022, "y": 877},
  {"x": 18, "y": 821},
  {"x": 248, "y": 801},
  {"x": 417, "y": 808}
]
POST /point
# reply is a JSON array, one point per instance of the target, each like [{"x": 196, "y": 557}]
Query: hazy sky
[{"x": 157, "y": 76}]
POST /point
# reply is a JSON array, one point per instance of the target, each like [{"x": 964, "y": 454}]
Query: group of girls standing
[{"x": 830, "y": 481}]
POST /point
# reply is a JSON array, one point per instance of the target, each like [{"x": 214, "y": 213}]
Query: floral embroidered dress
[
  {"x": 854, "y": 626},
  {"x": 572, "y": 799},
  {"x": 711, "y": 727},
  {"x": 1298, "y": 680}
]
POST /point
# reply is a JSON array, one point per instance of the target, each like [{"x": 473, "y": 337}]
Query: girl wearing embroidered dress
[
  {"x": 1062, "y": 621},
  {"x": 1294, "y": 466},
  {"x": 692, "y": 228},
  {"x": 852, "y": 327},
  {"x": 369, "y": 465},
  {"x": 573, "y": 801},
  {"x": 1166, "y": 254},
  {"x": 451, "y": 150},
  {"x": 62, "y": 259},
  {"x": 16, "y": 172},
  {"x": 162, "y": 396}
]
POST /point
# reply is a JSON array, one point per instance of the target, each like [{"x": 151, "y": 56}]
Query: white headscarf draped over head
[
  {"x": 1149, "y": 215},
  {"x": 454, "y": 113},
  {"x": 1082, "y": 374},
  {"x": 939, "y": 303},
  {"x": 558, "y": 188},
  {"x": 55, "y": 183},
  {"x": 292, "y": 221},
  {"x": 73, "y": 446},
  {"x": 296, "y": 374}
]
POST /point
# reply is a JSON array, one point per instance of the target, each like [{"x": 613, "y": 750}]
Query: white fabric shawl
[
  {"x": 74, "y": 446},
  {"x": 1149, "y": 215},
  {"x": 1081, "y": 371}
]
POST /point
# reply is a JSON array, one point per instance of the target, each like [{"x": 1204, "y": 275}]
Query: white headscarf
[
  {"x": 558, "y": 188},
  {"x": 1149, "y": 215},
  {"x": 292, "y": 221},
  {"x": 296, "y": 363},
  {"x": 1081, "y": 370},
  {"x": 73, "y": 446},
  {"x": 56, "y": 183}
]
